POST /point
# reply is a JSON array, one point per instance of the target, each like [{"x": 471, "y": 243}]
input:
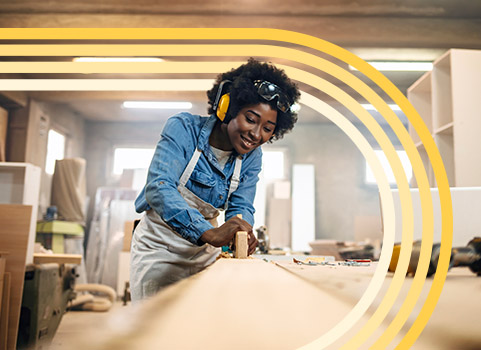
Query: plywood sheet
[
  {"x": 5, "y": 311},
  {"x": 3, "y": 133},
  {"x": 2, "y": 277},
  {"x": 14, "y": 230}
]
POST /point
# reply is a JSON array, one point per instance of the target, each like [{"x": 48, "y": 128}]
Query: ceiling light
[
  {"x": 157, "y": 105},
  {"x": 117, "y": 59},
  {"x": 400, "y": 66},
  {"x": 370, "y": 107}
]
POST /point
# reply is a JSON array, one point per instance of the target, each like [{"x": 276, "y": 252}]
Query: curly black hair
[{"x": 244, "y": 93}]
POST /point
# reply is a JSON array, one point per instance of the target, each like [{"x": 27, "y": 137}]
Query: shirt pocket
[{"x": 202, "y": 185}]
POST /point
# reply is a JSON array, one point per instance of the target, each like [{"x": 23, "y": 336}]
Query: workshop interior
[{"x": 82, "y": 108}]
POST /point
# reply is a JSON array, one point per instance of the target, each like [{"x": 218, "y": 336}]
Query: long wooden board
[
  {"x": 39, "y": 258},
  {"x": 14, "y": 230},
  {"x": 234, "y": 304}
]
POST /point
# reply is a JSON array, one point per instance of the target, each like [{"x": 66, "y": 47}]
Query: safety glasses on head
[{"x": 268, "y": 91}]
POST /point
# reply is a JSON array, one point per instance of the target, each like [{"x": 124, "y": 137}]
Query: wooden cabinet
[{"x": 448, "y": 99}]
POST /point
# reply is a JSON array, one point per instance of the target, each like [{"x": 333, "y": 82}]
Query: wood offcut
[{"x": 241, "y": 245}]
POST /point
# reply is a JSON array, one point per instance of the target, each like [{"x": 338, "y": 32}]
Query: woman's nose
[{"x": 255, "y": 133}]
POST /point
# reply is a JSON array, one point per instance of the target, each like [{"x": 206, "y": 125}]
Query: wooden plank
[
  {"x": 272, "y": 309},
  {"x": 2, "y": 277},
  {"x": 128, "y": 229},
  {"x": 123, "y": 274},
  {"x": 3, "y": 133},
  {"x": 39, "y": 258},
  {"x": 5, "y": 311},
  {"x": 14, "y": 231}
]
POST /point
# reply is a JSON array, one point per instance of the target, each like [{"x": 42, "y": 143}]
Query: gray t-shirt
[{"x": 222, "y": 156}]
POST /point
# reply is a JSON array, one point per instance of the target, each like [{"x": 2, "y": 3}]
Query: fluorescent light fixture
[
  {"x": 400, "y": 66},
  {"x": 117, "y": 59},
  {"x": 370, "y": 107},
  {"x": 157, "y": 105}
]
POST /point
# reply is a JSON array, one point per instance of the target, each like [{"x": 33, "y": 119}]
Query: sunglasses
[{"x": 268, "y": 91}]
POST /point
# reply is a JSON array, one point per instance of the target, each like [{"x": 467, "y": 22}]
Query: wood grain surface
[{"x": 14, "y": 230}]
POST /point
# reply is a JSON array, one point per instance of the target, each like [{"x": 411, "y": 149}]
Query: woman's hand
[{"x": 224, "y": 234}]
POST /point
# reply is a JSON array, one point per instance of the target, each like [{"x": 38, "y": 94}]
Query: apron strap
[
  {"x": 190, "y": 167},
  {"x": 234, "y": 182}
]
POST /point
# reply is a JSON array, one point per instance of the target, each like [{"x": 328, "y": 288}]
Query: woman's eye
[
  {"x": 267, "y": 130},
  {"x": 250, "y": 120}
]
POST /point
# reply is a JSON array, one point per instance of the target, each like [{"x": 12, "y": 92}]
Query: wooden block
[
  {"x": 5, "y": 311},
  {"x": 14, "y": 236},
  {"x": 39, "y": 258},
  {"x": 123, "y": 274},
  {"x": 241, "y": 245},
  {"x": 128, "y": 228}
]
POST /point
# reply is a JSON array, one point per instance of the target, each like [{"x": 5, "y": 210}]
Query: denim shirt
[{"x": 179, "y": 138}]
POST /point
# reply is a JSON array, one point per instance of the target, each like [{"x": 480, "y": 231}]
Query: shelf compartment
[
  {"x": 419, "y": 94},
  {"x": 446, "y": 149},
  {"x": 442, "y": 100}
]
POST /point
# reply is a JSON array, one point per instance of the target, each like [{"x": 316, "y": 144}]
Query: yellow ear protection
[
  {"x": 221, "y": 103},
  {"x": 223, "y": 107}
]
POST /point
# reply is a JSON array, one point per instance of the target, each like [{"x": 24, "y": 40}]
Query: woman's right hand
[{"x": 224, "y": 234}]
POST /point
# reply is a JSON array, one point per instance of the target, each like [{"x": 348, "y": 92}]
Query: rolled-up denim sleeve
[
  {"x": 172, "y": 154},
  {"x": 241, "y": 201}
]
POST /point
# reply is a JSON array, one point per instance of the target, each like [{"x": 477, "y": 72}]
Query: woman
[{"x": 205, "y": 164}]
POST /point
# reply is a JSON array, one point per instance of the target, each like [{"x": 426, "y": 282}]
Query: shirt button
[{"x": 220, "y": 197}]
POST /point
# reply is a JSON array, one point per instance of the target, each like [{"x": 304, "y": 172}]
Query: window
[
  {"x": 370, "y": 179},
  {"x": 55, "y": 150},
  {"x": 132, "y": 158}
]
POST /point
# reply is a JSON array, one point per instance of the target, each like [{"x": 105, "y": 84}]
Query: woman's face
[{"x": 253, "y": 126}]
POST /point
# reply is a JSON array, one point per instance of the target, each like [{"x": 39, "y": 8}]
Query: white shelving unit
[
  {"x": 448, "y": 99},
  {"x": 20, "y": 184}
]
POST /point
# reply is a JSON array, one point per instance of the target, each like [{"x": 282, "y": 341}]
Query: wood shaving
[{"x": 224, "y": 255}]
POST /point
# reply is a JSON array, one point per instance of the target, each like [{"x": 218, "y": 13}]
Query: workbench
[{"x": 254, "y": 304}]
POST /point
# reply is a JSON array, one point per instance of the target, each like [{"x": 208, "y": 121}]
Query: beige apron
[{"x": 159, "y": 255}]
